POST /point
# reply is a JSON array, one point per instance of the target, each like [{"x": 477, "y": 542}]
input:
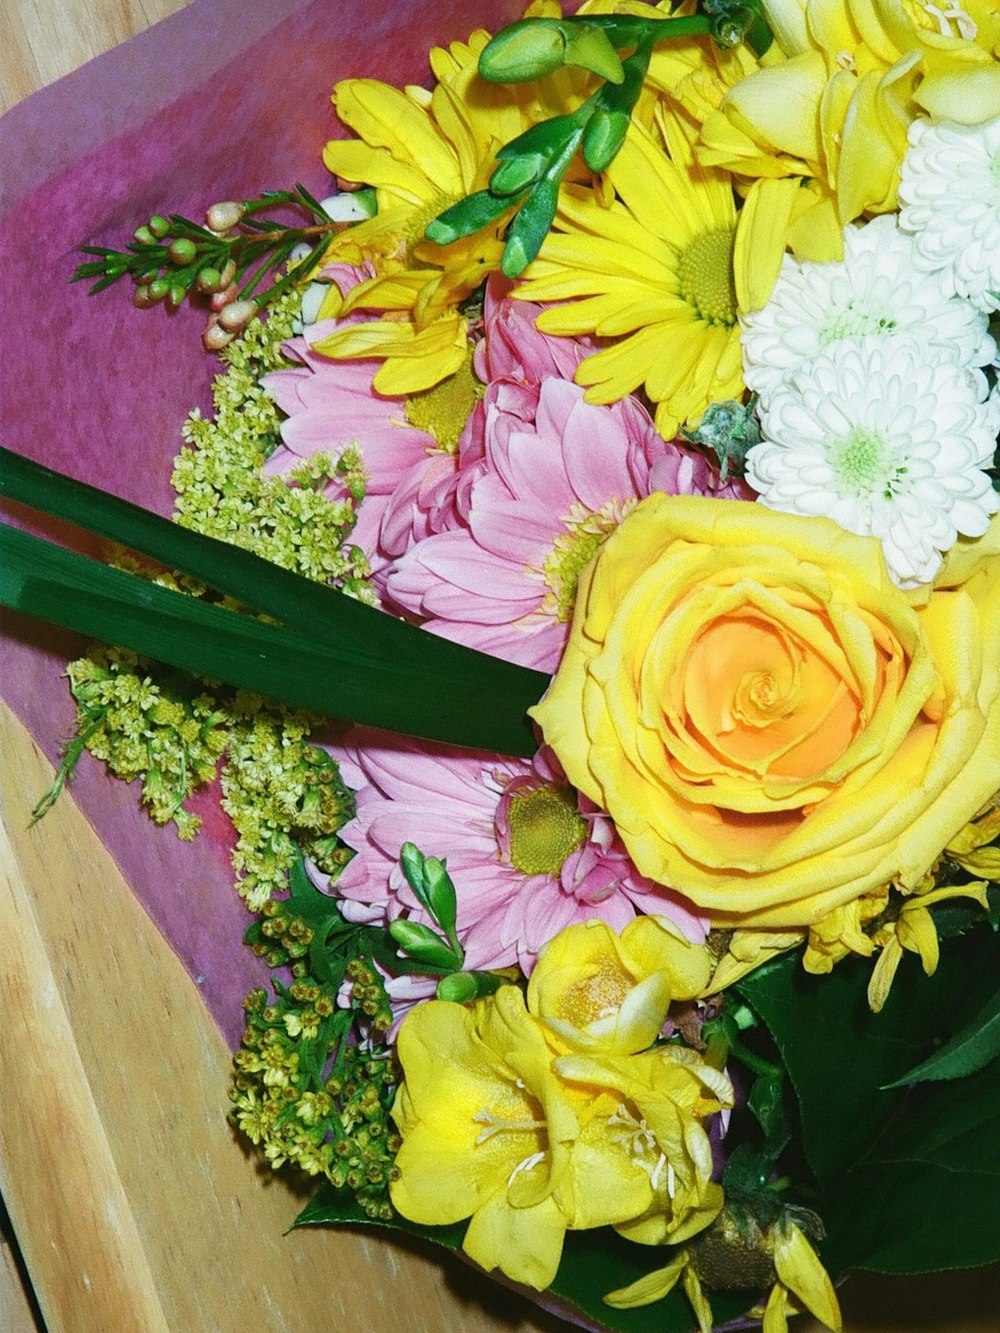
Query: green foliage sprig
[{"x": 531, "y": 167}]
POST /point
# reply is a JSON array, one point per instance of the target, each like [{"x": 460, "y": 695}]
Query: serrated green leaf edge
[{"x": 968, "y": 1051}]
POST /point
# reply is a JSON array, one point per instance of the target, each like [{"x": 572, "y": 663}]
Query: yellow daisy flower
[
  {"x": 423, "y": 151},
  {"x": 655, "y": 272}
]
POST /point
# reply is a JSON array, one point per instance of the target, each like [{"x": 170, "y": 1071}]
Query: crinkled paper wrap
[{"x": 222, "y": 100}]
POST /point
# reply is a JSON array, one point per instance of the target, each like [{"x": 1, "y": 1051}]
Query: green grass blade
[
  {"x": 320, "y": 613},
  {"x": 342, "y": 681}
]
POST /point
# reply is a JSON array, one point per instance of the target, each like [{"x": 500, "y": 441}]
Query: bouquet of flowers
[{"x": 585, "y": 588}]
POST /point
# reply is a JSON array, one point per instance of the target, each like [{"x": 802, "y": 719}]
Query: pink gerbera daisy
[
  {"x": 528, "y": 855},
  {"x": 331, "y": 405}
]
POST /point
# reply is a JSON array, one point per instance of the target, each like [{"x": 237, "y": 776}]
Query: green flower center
[
  {"x": 705, "y": 274},
  {"x": 573, "y": 550},
  {"x": 545, "y": 828},
  {"x": 854, "y": 321},
  {"x": 443, "y": 409},
  {"x": 865, "y": 463}
]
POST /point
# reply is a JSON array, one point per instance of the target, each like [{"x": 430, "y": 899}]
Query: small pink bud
[
  {"x": 215, "y": 338},
  {"x": 228, "y": 272},
  {"x": 223, "y": 216},
  {"x": 223, "y": 298},
  {"x": 237, "y": 315}
]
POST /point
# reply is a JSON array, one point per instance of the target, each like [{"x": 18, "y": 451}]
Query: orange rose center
[{"x": 757, "y": 697}]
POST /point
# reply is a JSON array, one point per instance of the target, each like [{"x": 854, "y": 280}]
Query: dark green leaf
[
  {"x": 840, "y": 1056},
  {"x": 345, "y": 681},
  {"x": 927, "y": 1195},
  {"x": 594, "y": 1263},
  {"x": 968, "y": 1051},
  {"x": 767, "y": 1105},
  {"x": 362, "y": 636}
]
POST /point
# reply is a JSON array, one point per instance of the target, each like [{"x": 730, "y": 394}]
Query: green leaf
[
  {"x": 593, "y": 1263},
  {"x": 968, "y": 1051},
  {"x": 927, "y": 1195},
  {"x": 908, "y": 1176},
  {"x": 346, "y": 681},
  {"x": 376, "y": 653},
  {"x": 840, "y": 1056}
]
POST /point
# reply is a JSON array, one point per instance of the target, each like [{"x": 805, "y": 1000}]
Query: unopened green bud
[
  {"x": 464, "y": 987},
  {"x": 516, "y": 174},
  {"x": 144, "y": 236},
  {"x": 209, "y": 280},
  {"x": 441, "y": 898},
  {"x": 421, "y": 944},
  {"x": 176, "y": 295},
  {"x": 182, "y": 251},
  {"x": 524, "y": 51},
  {"x": 158, "y": 225},
  {"x": 158, "y": 289},
  {"x": 603, "y": 137}
]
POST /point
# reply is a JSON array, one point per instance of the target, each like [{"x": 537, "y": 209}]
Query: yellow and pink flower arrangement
[{"x": 620, "y": 436}]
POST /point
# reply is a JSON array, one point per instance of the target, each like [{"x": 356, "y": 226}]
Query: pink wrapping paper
[{"x": 220, "y": 101}]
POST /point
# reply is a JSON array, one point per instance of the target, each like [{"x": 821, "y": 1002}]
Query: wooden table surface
[{"x": 133, "y": 1207}]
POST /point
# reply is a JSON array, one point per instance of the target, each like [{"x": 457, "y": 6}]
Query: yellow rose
[{"x": 774, "y": 727}]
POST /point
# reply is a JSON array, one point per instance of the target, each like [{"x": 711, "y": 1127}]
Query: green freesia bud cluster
[{"x": 531, "y": 167}]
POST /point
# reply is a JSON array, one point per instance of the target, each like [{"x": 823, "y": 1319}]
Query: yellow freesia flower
[
  {"x": 487, "y": 1132},
  {"x": 856, "y": 73},
  {"x": 597, "y": 991},
  {"x": 653, "y": 271},
  {"x": 529, "y": 1143},
  {"x": 972, "y": 846}
]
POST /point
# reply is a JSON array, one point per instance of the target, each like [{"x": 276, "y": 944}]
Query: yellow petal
[
  {"x": 776, "y": 1311},
  {"x": 801, "y": 1272},
  {"x": 652, "y": 1287},
  {"x": 916, "y": 932},
  {"x": 761, "y": 238},
  {"x": 883, "y": 974}
]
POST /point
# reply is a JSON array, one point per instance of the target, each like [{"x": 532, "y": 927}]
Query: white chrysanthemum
[
  {"x": 885, "y": 442},
  {"x": 876, "y": 290},
  {"x": 950, "y": 200}
]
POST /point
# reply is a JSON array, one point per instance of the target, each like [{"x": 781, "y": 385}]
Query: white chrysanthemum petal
[
  {"x": 949, "y": 198},
  {"x": 887, "y": 442},
  {"x": 877, "y": 290}
]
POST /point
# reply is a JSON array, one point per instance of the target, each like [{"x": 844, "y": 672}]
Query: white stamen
[
  {"x": 965, "y": 24},
  {"x": 497, "y": 1125},
  {"x": 526, "y": 1164}
]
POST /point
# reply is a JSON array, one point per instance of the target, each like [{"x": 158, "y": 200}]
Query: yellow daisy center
[
  {"x": 705, "y": 275},
  {"x": 443, "y": 409},
  {"x": 545, "y": 828}
]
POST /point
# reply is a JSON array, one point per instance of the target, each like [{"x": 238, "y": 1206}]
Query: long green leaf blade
[
  {"x": 319, "y": 612},
  {"x": 344, "y": 681}
]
